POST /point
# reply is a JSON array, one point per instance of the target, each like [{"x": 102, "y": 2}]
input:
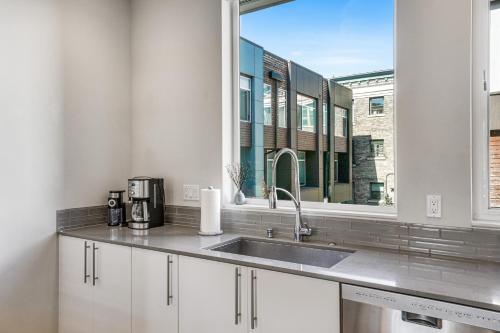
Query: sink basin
[{"x": 297, "y": 253}]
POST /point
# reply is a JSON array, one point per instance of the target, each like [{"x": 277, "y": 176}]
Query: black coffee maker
[
  {"x": 148, "y": 202},
  {"x": 116, "y": 208}
]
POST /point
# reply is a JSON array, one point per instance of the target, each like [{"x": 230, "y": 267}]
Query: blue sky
[{"x": 331, "y": 37}]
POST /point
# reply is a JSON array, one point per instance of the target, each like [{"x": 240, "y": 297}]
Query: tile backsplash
[{"x": 472, "y": 243}]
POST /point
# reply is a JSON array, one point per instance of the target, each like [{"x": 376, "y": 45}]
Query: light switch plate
[
  {"x": 191, "y": 192},
  {"x": 434, "y": 205}
]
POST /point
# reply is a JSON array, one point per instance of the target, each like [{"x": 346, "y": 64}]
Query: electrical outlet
[
  {"x": 191, "y": 192},
  {"x": 434, "y": 205}
]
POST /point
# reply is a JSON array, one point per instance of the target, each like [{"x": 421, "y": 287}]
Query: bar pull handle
[
  {"x": 253, "y": 300},
  {"x": 237, "y": 291},
  {"x": 94, "y": 274},
  {"x": 169, "y": 281},
  {"x": 418, "y": 319},
  {"x": 485, "y": 82},
  {"x": 85, "y": 272}
]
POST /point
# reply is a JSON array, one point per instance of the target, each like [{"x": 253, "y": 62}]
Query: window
[
  {"x": 341, "y": 122},
  {"x": 302, "y": 167},
  {"x": 325, "y": 119},
  {"x": 268, "y": 111},
  {"x": 377, "y": 148},
  {"x": 245, "y": 98},
  {"x": 282, "y": 108},
  {"x": 376, "y": 191},
  {"x": 306, "y": 113},
  {"x": 376, "y": 105},
  {"x": 280, "y": 69}
]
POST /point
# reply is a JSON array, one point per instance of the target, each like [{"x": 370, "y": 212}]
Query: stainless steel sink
[{"x": 297, "y": 253}]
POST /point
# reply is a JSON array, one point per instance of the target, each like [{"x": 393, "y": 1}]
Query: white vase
[{"x": 239, "y": 198}]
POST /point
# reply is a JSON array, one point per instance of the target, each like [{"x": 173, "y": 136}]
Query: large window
[
  {"x": 377, "y": 105},
  {"x": 494, "y": 103},
  {"x": 282, "y": 112},
  {"x": 308, "y": 83},
  {"x": 245, "y": 98},
  {"x": 268, "y": 111},
  {"x": 341, "y": 122},
  {"x": 306, "y": 113}
]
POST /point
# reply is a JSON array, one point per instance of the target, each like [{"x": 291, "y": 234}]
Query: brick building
[
  {"x": 373, "y": 136},
  {"x": 283, "y": 104}
]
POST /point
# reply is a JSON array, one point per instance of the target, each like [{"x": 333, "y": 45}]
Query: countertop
[{"x": 472, "y": 283}]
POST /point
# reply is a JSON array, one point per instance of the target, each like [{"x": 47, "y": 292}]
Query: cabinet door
[
  {"x": 75, "y": 288},
  {"x": 112, "y": 288},
  {"x": 154, "y": 292},
  {"x": 212, "y": 294},
  {"x": 285, "y": 303}
]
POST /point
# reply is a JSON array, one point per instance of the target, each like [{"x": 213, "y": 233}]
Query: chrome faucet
[{"x": 301, "y": 229}]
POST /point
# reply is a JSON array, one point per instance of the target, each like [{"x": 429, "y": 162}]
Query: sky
[{"x": 330, "y": 37}]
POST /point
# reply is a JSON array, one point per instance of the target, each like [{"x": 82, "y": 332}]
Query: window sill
[
  {"x": 376, "y": 115},
  {"x": 379, "y": 158},
  {"x": 364, "y": 212}
]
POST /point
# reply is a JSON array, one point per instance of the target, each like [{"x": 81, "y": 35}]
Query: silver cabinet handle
[
  {"x": 418, "y": 319},
  {"x": 253, "y": 300},
  {"x": 94, "y": 275},
  {"x": 169, "y": 281},
  {"x": 237, "y": 291},
  {"x": 85, "y": 275}
]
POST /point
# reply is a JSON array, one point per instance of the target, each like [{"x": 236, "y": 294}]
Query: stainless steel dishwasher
[{"x": 367, "y": 310}]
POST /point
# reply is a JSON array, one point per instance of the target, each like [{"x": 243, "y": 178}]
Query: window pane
[
  {"x": 325, "y": 118},
  {"x": 268, "y": 113},
  {"x": 245, "y": 98},
  {"x": 494, "y": 104},
  {"x": 307, "y": 79},
  {"x": 377, "y": 105},
  {"x": 282, "y": 108},
  {"x": 376, "y": 191},
  {"x": 306, "y": 109}
]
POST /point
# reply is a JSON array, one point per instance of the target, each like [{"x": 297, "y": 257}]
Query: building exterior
[
  {"x": 373, "y": 136},
  {"x": 494, "y": 104},
  {"x": 283, "y": 104}
]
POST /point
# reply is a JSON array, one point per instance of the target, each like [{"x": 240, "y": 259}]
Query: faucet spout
[{"x": 301, "y": 229}]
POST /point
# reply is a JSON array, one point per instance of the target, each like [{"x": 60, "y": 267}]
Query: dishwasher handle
[{"x": 418, "y": 319}]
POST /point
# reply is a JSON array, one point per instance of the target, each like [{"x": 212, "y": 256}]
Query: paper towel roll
[{"x": 210, "y": 212}]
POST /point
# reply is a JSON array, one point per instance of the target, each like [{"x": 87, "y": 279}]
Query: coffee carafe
[{"x": 148, "y": 202}]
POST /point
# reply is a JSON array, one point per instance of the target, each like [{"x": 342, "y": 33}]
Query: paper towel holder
[{"x": 211, "y": 233}]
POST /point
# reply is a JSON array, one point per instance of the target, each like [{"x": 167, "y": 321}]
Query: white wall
[
  {"x": 97, "y": 97},
  {"x": 31, "y": 155},
  {"x": 177, "y": 94},
  {"x": 433, "y": 109}
]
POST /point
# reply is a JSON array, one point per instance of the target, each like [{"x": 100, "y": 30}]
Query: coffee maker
[{"x": 148, "y": 202}]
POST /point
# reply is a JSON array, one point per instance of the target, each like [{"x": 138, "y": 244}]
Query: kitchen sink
[{"x": 290, "y": 252}]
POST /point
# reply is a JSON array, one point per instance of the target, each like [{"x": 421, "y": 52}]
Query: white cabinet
[
  {"x": 286, "y": 303},
  {"x": 155, "y": 301},
  {"x": 213, "y": 297},
  {"x": 94, "y": 287}
]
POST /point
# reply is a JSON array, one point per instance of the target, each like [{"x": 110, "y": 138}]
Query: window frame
[
  {"x": 325, "y": 118},
  {"x": 374, "y": 152},
  {"x": 270, "y": 104},
  {"x": 344, "y": 116},
  {"x": 249, "y": 120},
  {"x": 300, "y": 125},
  {"x": 370, "y": 112},
  {"x": 382, "y": 193},
  {"x": 231, "y": 154},
  {"x": 285, "y": 113},
  {"x": 482, "y": 214}
]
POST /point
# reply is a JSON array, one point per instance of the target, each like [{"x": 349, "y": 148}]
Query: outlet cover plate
[
  {"x": 434, "y": 205},
  {"x": 191, "y": 192}
]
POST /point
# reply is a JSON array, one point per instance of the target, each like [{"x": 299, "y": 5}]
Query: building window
[
  {"x": 325, "y": 119},
  {"x": 376, "y": 191},
  {"x": 376, "y": 105},
  {"x": 336, "y": 168},
  {"x": 377, "y": 148},
  {"x": 282, "y": 112},
  {"x": 341, "y": 123},
  {"x": 268, "y": 111},
  {"x": 302, "y": 167},
  {"x": 245, "y": 98},
  {"x": 306, "y": 113}
]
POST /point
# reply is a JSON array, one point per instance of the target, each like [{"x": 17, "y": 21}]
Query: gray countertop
[{"x": 473, "y": 283}]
